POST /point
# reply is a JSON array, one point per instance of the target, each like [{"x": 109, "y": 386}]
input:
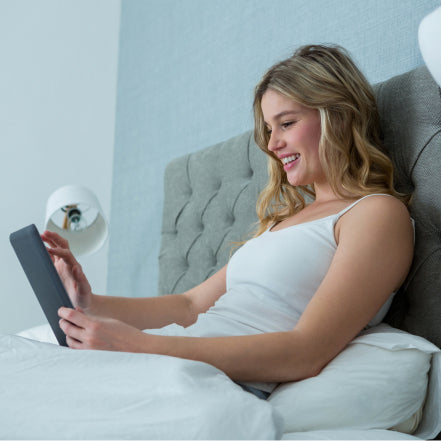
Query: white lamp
[
  {"x": 74, "y": 213},
  {"x": 429, "y": 39}
]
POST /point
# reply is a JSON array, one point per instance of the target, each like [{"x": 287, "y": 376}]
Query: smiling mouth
[{"x": 287, "y": 159}]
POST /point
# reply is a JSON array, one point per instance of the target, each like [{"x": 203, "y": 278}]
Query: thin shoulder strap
[{"x": 359, "y": 200}]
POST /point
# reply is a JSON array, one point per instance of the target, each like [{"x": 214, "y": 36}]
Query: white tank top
[{"x": 270, "y": 281}]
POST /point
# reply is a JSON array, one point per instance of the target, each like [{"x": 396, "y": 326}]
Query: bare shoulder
[
  {"x": 382, "y": 201},
  {"x": 377, "y": 233},
  {"x": 373, "y": 256},
  {"x": 378, "y": 213}
]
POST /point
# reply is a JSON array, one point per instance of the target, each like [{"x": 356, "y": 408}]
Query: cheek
[
  {"x": 315, "y": 135},
  {"x": 316, "y": 131},
  {"x": 311, "y": 139}
]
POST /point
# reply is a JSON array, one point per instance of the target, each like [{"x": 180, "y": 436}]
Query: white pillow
[
  {"x": 41, "y": 333},
  {"x": 379, "y": 381}
]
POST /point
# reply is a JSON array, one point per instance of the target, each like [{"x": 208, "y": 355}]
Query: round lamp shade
[{"x": 74, "y": 213}]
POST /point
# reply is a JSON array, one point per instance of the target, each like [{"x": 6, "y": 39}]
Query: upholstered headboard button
[{"x": 210, "y": 203}]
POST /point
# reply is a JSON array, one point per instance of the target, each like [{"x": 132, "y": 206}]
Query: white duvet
[{"x": 51, "y": 392}]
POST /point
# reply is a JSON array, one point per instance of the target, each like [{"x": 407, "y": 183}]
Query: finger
[
  {"x": 73, "y": 343},
  {"x": 54, "y": 255},
  {"x": 56, "y": 238},
  {"x": 71, "y": 330},
  {"x": 53, "y": 258},
  {"x": 48, "y": 237},
  {"x": 49, "y": 246},
  {"x": 63, "y": 253},
  {"x": 77, "y": 318},
  {"x": 47, "y": 240}
]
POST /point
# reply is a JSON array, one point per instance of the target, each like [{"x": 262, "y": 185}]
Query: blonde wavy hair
[{"x": 350, "y": 149}]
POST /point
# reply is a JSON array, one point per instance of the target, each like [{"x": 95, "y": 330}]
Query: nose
[{"x": 275, "y": 142}]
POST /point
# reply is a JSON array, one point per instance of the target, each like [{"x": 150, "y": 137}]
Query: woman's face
[{"x": 295, "y": 133}]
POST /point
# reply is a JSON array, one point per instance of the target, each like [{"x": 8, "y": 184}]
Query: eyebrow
[{"x": 284, "y": 113}]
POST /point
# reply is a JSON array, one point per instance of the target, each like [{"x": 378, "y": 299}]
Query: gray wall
[
  {"x": 187, "y": 69},
  {"x": 57, "y": 113}
]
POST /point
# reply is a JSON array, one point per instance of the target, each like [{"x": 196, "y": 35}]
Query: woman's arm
[
  {"x": 156, "y": 312},
  {"x": 141, "y": 313},
  {"x": 375, "y": 247}
]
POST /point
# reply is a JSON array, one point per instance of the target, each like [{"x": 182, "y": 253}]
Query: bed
[{"x": 384, "y": 385}]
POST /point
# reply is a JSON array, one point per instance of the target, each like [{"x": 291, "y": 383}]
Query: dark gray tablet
[{"x": 42, "y": 275}]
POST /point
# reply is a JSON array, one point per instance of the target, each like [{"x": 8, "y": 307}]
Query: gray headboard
[
  {"x": 410, "y": 110},
  {"x": 210, "y": 199},
  {"x": 209, "y": 203}
]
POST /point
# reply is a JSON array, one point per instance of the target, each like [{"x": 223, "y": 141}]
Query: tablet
[{"x": 42, "y": 275}]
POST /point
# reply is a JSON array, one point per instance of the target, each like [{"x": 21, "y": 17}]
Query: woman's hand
[
  {"x": 69, "y": 270},
  {"x": 91, "y": 332}
]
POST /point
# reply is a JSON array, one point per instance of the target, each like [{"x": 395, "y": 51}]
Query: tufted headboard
[
  {"x": 210, "y": 198},
  {"x": 410, "y": 112},
  {"x": 209, "y": 203}
]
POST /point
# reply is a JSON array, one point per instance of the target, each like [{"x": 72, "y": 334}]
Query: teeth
[{"x": 291, "y": 158}]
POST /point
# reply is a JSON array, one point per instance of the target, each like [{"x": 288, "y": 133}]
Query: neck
[{"x": 324, "y": 193}]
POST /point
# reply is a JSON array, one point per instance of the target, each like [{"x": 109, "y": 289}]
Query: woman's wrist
[{"x": 94, "y": 305}]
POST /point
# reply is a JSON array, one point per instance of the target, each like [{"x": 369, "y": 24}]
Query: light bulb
[{"x": 73, "y": 218}]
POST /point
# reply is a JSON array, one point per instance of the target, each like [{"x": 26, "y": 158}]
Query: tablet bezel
[{"x": 42, "y": 276}]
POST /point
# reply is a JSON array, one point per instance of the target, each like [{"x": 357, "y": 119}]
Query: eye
[
  {"x": 287, "y": 124},
  {"x": 268, "y": 131}
]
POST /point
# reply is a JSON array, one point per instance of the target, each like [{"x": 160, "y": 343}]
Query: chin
[{"x": 295, "y": 182}]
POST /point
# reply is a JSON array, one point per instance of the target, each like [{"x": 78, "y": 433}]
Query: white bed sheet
[
  {"x": 51, "y": 392},
  {"x": 373, "y": 434},
  {"x": 270, "y": 426}
]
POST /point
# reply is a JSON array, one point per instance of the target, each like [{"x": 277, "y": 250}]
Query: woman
[{"x": 314, "y": 275}]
